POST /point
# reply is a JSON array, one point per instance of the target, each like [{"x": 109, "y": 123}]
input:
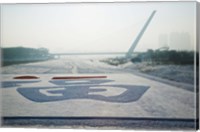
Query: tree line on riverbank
[
  {"x": 16, "y": 55},
  {"x": 158, "y": 57},
  {"x": 166, "y": 57}
]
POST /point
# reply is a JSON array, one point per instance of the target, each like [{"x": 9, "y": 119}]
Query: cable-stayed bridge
[{"x": 127, "y": 54}]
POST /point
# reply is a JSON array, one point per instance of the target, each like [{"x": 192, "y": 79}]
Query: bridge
[
  {"x": 58, "y": 55},
  {"x": 91, "y": 53}
]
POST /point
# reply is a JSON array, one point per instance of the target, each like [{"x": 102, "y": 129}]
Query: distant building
[
  {"x": 176, "y": 40},
  {"x": 180, "y": 41}
]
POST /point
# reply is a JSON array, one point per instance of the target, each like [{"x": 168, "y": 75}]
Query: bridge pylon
[{"x": 135, "y": 42}]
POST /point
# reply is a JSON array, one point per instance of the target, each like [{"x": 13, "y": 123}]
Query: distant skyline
[{"x": 100, "y": 27}]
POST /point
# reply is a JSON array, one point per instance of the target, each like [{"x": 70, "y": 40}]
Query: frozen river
[
  {"x": 120, "y": 93},
  {"x": 72, "y": 65}
]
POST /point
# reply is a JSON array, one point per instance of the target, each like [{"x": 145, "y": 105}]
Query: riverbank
[{"x": 178, "y": 73}]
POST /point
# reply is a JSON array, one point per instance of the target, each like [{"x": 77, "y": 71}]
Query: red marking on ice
[{"x": 26, "y": 77}]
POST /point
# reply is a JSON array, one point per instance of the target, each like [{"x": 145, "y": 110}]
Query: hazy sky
[{"x": 97, "y": 27}]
